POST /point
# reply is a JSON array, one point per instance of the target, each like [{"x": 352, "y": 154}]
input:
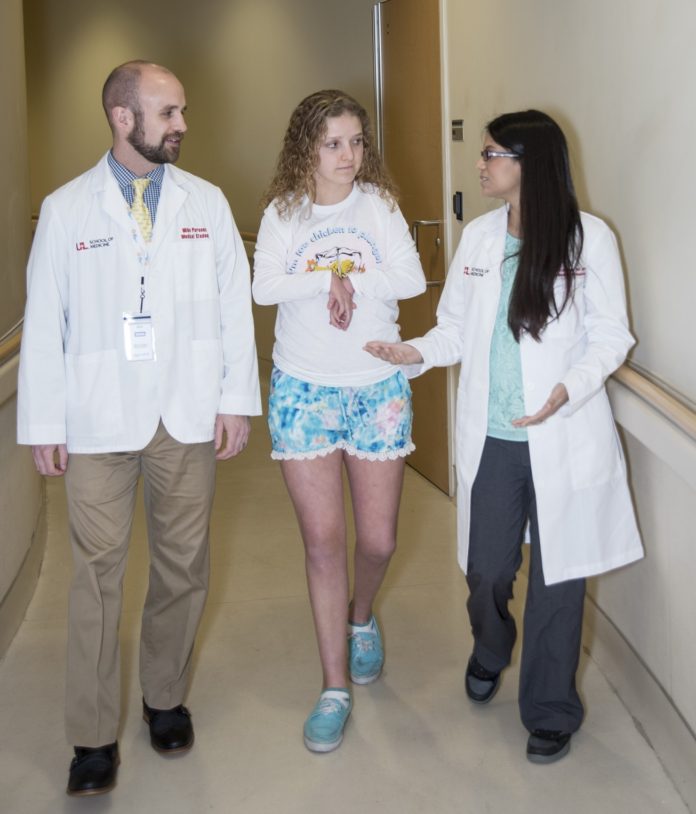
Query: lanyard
[
  {"x": 143, "y": 254},
  {"x": 138, "y": 329}
]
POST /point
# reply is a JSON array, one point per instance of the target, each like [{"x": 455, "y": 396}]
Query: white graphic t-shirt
[{"x": 293, "y": 264}]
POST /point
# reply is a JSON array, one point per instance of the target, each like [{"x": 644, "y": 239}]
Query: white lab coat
[
  {"x": 76, "y": 385},
  {"x": 586, "y": 518}
]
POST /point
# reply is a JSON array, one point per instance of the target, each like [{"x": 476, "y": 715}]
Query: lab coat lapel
[
  {"x": 112, "y": 200},
  {"x": 494, "y": 243}
]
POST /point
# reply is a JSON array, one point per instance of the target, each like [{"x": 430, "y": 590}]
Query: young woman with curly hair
[{"x": 335, "y": 254}]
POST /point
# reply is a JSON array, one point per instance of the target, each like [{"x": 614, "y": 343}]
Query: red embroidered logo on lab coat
[{"x": 96, "y": 243}]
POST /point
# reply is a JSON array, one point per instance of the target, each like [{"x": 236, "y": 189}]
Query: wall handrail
[
  {"x": 657, "y": 397},
  {"x": 9, "y": 342}
]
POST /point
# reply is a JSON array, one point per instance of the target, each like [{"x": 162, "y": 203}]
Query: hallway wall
[
  {"x": 617, "y": 76},
  {"x": 14, "y": 216},
  {"x": 244, "y": 65},
  {"x": 21, "y": 488}
]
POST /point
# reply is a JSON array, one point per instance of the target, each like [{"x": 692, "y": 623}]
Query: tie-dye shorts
[{"x": 307, "y": 420}]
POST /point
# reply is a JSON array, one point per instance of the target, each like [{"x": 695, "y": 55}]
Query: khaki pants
[{"x": 179, "y": 481}]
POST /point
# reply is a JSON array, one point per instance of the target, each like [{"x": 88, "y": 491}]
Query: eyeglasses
[{"x": 486, "y": 154}]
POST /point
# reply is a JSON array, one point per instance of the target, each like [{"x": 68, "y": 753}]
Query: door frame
[{"x": 449, "y": 221}]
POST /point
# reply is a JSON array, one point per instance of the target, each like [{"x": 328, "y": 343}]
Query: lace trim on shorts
[{"x": 390, "y": 455}]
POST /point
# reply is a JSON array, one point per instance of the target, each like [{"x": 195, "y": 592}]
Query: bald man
[{"x": 138, "y": 359}]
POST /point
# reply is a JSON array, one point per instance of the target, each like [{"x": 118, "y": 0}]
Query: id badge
[{"x": 139, "y": 337}]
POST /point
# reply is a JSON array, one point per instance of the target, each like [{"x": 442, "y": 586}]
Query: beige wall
[
  {"x": 618, "y": 75},
  {"x": 14, "y": 214},
  {"x": 20, "y": 486},
  {"x": 244, "y": 63}
]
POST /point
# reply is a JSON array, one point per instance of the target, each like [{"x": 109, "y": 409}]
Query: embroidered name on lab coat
[
  {"x": 194, "y": 233},
  {"x": 472, "y": 271}
]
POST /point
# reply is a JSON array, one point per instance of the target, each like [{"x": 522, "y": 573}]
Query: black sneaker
[
  {"x": 481, "y": 684},
  {"x": 93, "y": 770},
  {"x": 547, "y": 745}
]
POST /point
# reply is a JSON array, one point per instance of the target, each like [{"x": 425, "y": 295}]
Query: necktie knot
[{"x": 139, "y": 210}]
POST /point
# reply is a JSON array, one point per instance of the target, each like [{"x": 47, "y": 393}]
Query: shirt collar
[{"x": 124, "y": 176}]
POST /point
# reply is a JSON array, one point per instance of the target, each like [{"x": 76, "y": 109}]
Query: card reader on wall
[{"x": 457, "y": 205}]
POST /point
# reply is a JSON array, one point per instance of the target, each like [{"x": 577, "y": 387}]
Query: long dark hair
[{"x": 552, "y": 235}]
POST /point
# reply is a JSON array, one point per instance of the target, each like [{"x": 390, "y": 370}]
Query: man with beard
[{"x": 138, "y": 357}]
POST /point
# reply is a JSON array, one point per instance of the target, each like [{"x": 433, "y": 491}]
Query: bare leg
[
  {"x": 376, "y": 491},
  {"x": 316, "y": 490}
]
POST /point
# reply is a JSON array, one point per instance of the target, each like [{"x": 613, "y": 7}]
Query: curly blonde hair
[{"x": 298, "y": 159}]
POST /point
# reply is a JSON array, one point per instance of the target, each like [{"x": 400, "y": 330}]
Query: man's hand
[
  {"x": 235, "y": 429},
  {"x": 50, "y": 459},
  {"x": 558, "y": 397}
]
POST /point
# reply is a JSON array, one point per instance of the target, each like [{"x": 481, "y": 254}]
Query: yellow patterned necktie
[{"x": 139, "y": 210}]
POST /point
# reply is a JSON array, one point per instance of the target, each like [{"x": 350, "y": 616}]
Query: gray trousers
[{"x": 502, "y": 500}]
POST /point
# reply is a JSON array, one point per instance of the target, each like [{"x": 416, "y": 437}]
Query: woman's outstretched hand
[
  {"x": 398, "y": 353},
  {"x": 558, "y": 397},
  {"x": 340, "y": 302}
]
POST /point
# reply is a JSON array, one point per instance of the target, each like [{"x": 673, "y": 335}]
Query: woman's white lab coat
[{"x": 586, "y": 518}]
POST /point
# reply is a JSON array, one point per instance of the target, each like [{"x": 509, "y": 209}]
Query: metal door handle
[
  {"x": 418, "y": 223},
  {"x": 433, "y": 283}
]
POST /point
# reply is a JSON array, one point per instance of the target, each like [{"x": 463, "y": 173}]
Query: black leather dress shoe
[
  {"x": 481, "y": 684},
  {"x": 171, "y": 730},
  {"x": 93, "y": 771},
  {"x": 547, "y": 745}
]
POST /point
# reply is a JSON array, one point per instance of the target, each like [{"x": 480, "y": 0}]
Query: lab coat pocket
[
  {"x": 595, "y": 453},
  {"x": 195, "y": 273},
  {"x": 206, "y": 375},
  {"x": 94, "y": 403}
]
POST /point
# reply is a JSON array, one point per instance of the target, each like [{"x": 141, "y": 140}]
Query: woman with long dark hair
[{"x": 534, "y": 309}]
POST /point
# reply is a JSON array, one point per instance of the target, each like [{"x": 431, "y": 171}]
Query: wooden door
[{"x": 411, "y": 134}]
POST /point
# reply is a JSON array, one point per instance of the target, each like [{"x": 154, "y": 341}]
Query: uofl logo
[{"x": 96, "y": 243}]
